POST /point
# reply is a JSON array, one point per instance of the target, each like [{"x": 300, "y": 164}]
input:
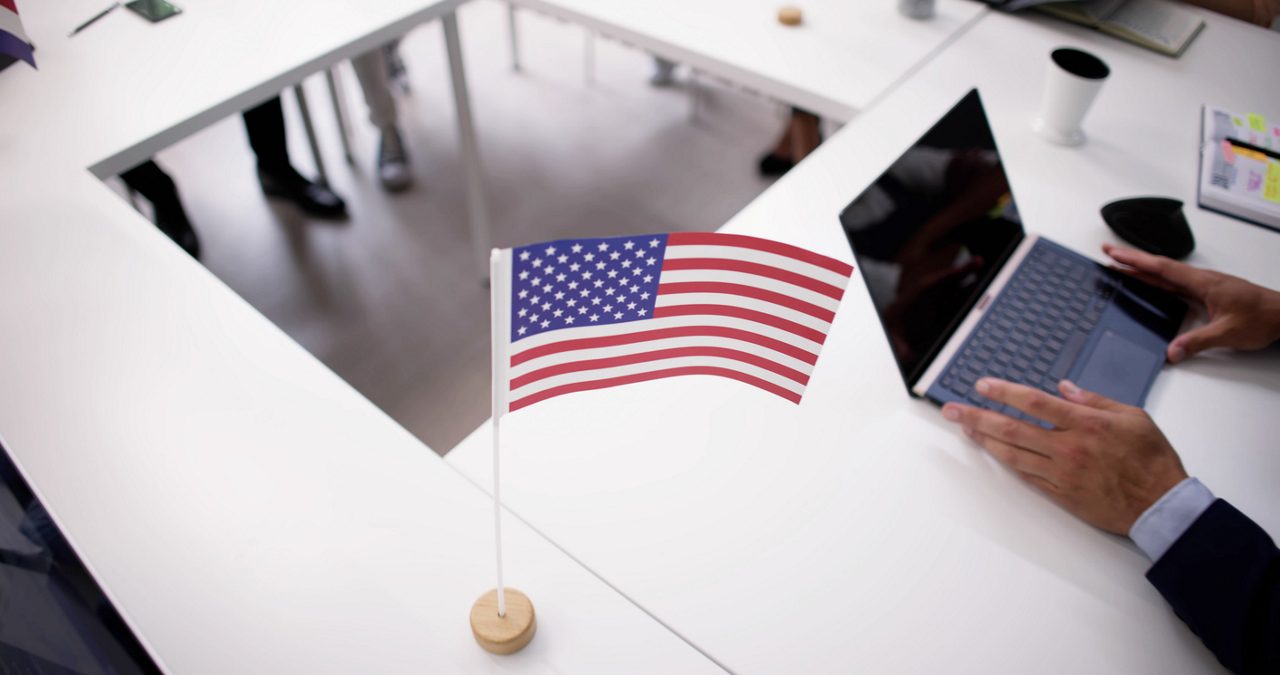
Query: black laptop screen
[{"x": 932, "y": 231}]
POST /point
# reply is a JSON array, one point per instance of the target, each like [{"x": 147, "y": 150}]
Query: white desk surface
[
  {"x": 245, "y": 509},
  {"x": 859, "y": 531},
  {"x": 844, "y": 57}
]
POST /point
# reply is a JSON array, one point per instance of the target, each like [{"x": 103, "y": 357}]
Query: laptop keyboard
[{"x": 1036, "y": 328}]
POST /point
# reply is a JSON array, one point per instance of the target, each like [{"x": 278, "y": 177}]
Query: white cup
[{"x": 1072, "y": 84}]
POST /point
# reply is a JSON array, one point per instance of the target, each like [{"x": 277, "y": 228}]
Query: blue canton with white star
[{"x": 584, "y": 282}]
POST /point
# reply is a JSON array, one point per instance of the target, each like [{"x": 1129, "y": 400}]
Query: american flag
[
  {"x": 601, "y": 312},
  {"x": 13, "y": 39}
]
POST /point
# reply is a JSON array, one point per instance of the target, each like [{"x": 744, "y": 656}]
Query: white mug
[{"x": 1073, "y": 82}]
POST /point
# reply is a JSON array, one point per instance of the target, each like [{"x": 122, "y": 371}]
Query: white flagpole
[{"x": 499, "y": 292}]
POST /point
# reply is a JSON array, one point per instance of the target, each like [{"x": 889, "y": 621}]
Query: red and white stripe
[{"x": 733, "y": 306}]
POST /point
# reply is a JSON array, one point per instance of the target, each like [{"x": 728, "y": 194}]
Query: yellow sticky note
[
  {"x": 1257, "y": 122},
  {"x": 1271, "y": 184}
]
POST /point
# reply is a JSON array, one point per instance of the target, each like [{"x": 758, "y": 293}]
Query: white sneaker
[{"x": 393, "y": 162}]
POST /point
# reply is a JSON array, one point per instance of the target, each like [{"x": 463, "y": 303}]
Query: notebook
[{"x": 1240, "y": 166}]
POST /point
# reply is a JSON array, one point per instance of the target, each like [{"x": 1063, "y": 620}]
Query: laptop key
[{"x": 1068, "y": 355}]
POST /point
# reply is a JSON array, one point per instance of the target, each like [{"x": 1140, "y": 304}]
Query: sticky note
[
  {"x": 1236, "y": 121},
  {"x": 1257, "y": 122},
  {"x": 1271, "y": 186},
  {"x": 1228, "y": 152}
]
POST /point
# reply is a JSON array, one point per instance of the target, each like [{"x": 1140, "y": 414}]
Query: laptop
[{"x": 963, "y": 291}]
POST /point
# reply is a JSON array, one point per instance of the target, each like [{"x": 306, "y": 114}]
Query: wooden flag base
[{"x": 503, "y": 634}]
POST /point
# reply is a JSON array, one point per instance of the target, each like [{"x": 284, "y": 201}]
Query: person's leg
[
  {"x": 150, "y": 181},
  {"x": 265, "y": 127},
  {"x": 663, "y": 72},
  {"x": 393, "y": 161},
  {"x": 802, "y": 135}
]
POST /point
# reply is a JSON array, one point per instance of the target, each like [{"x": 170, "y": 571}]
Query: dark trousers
[{"x": 265, "y": 126}]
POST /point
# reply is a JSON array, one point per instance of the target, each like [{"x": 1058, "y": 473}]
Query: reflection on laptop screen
[{"x": 932, "y": 231}]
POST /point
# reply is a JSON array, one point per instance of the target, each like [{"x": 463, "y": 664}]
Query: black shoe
[
  {"x": 313, "y": 198},
  {"x": 775, "y": 165},
  {"x": 176, "y": 226}
]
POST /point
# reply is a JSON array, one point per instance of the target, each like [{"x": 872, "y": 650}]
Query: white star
[
  {"x": 644, "y": 296},
  {"x": 589, "y": 257},
  {"x": 559, "y": 295},
  {"x": 560, "y": 277},
  {"x": 548, "y": 270},
  {"x": 573, "y": 285},
  {"x": 535, "y": 299},
  {"x": 557, "y": 313},
  {"x": 546, "y": 306},
  {"x": 537, "y": 281},
  {"x": 614, "y": 255},
  {"x": 603, "y": 246},
  {"x": 562, "y": 259},
  {"x": 648, "y": 278},
  {"x": 524, "y": 293},
  {"x": 650, "y": 261},
  {"x": 608, "y": 308},
  {"x": 545, "y": 323},
  {"x": 568, "y": 319},
  {"x": 631, "y": 305},
  {"x": 522, "y": 312},
  {"x": 551, "y": 250},
  {"x": 629, "y": 245},
  {"x": 608, "y": 291},
  {"x": 613, "y": 273},
  {"x": 524, "y": 255},
  {"x": 577, "y": 248},
  {"x": 537, "y": 262},
  {"x": 585, "y": 293},
  {"x": 582, "y": 310},
  {"x": 639, "y": 254},
  {"x": 640, "y": 312},
  {"x": 617, "y": 315},
  {"x": 571, "y": 303},
  {"x": 546, "y": 289},
  {"x": 621, "y": 299},
  {"x": 653, "y": 243},
  {"x": 595, "y": 300},
  {"x": 635, "y": 289},
  {"x": 533, "y": 317},
  {"x": 574, "y": 267},
  {"x": 522, "y": 330},
  {"x": 598, "y": 283},
  {"x": 626, "y": 264},
  {"x": 595, "y": 318},
  {"x": 600, "y": 265},
  {"x": 635, "y": 272},
  {"x": 586, "y": 275},
  {"x": 524, "y": 274}
]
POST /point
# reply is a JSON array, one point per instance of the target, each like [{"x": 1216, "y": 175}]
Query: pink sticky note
[{"x": 1228, "y": 152}]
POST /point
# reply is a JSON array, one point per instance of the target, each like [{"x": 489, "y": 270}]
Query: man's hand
[
  {"x": 1241, "y": 315},
  {"x": 1106, "y": 462}
]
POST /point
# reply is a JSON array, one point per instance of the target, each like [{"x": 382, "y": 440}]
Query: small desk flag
[
  {"x": 13, "y": 39},
  {"x": 580, "y": 314}
]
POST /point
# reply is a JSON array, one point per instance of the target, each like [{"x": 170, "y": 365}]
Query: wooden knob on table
[{"x": 790, "y": 16}]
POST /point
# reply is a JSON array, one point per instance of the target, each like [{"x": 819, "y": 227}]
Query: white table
[
  {"x": 859, "y": 531},
  {"x": 844, "y": 57},
  {"x": 243, "y": 508}
]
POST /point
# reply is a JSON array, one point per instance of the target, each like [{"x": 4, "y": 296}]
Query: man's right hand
[{"x": 1242, "y": 315}]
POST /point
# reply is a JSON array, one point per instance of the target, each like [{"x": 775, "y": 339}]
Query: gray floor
[{"x": 391, "y": 300}]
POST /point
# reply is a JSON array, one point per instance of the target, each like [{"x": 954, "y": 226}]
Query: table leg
[
  {"x": 511, "y": 31},
  {"x": 298, "y": 93},
  {"x": 477, "y": 205},
  {"x": 339, "y": 111}
]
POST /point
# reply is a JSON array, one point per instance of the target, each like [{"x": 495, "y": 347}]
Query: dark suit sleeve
[{"x": 1222, "y": 577}]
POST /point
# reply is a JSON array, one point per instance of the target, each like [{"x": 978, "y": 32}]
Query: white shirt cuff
[{"x": 1165, "y": 521}]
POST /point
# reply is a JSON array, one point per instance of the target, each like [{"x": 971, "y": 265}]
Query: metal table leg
[
  {"x": 477, "y": 205},
  {"x": 340, "y": 112},
  {"x": 298, "y": 93}
]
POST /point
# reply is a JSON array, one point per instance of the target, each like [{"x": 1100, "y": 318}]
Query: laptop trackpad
[{"x": 1119, "y": 369}]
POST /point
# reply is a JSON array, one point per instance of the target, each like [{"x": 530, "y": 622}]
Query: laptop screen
[{"x": 932, "y": 231}]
